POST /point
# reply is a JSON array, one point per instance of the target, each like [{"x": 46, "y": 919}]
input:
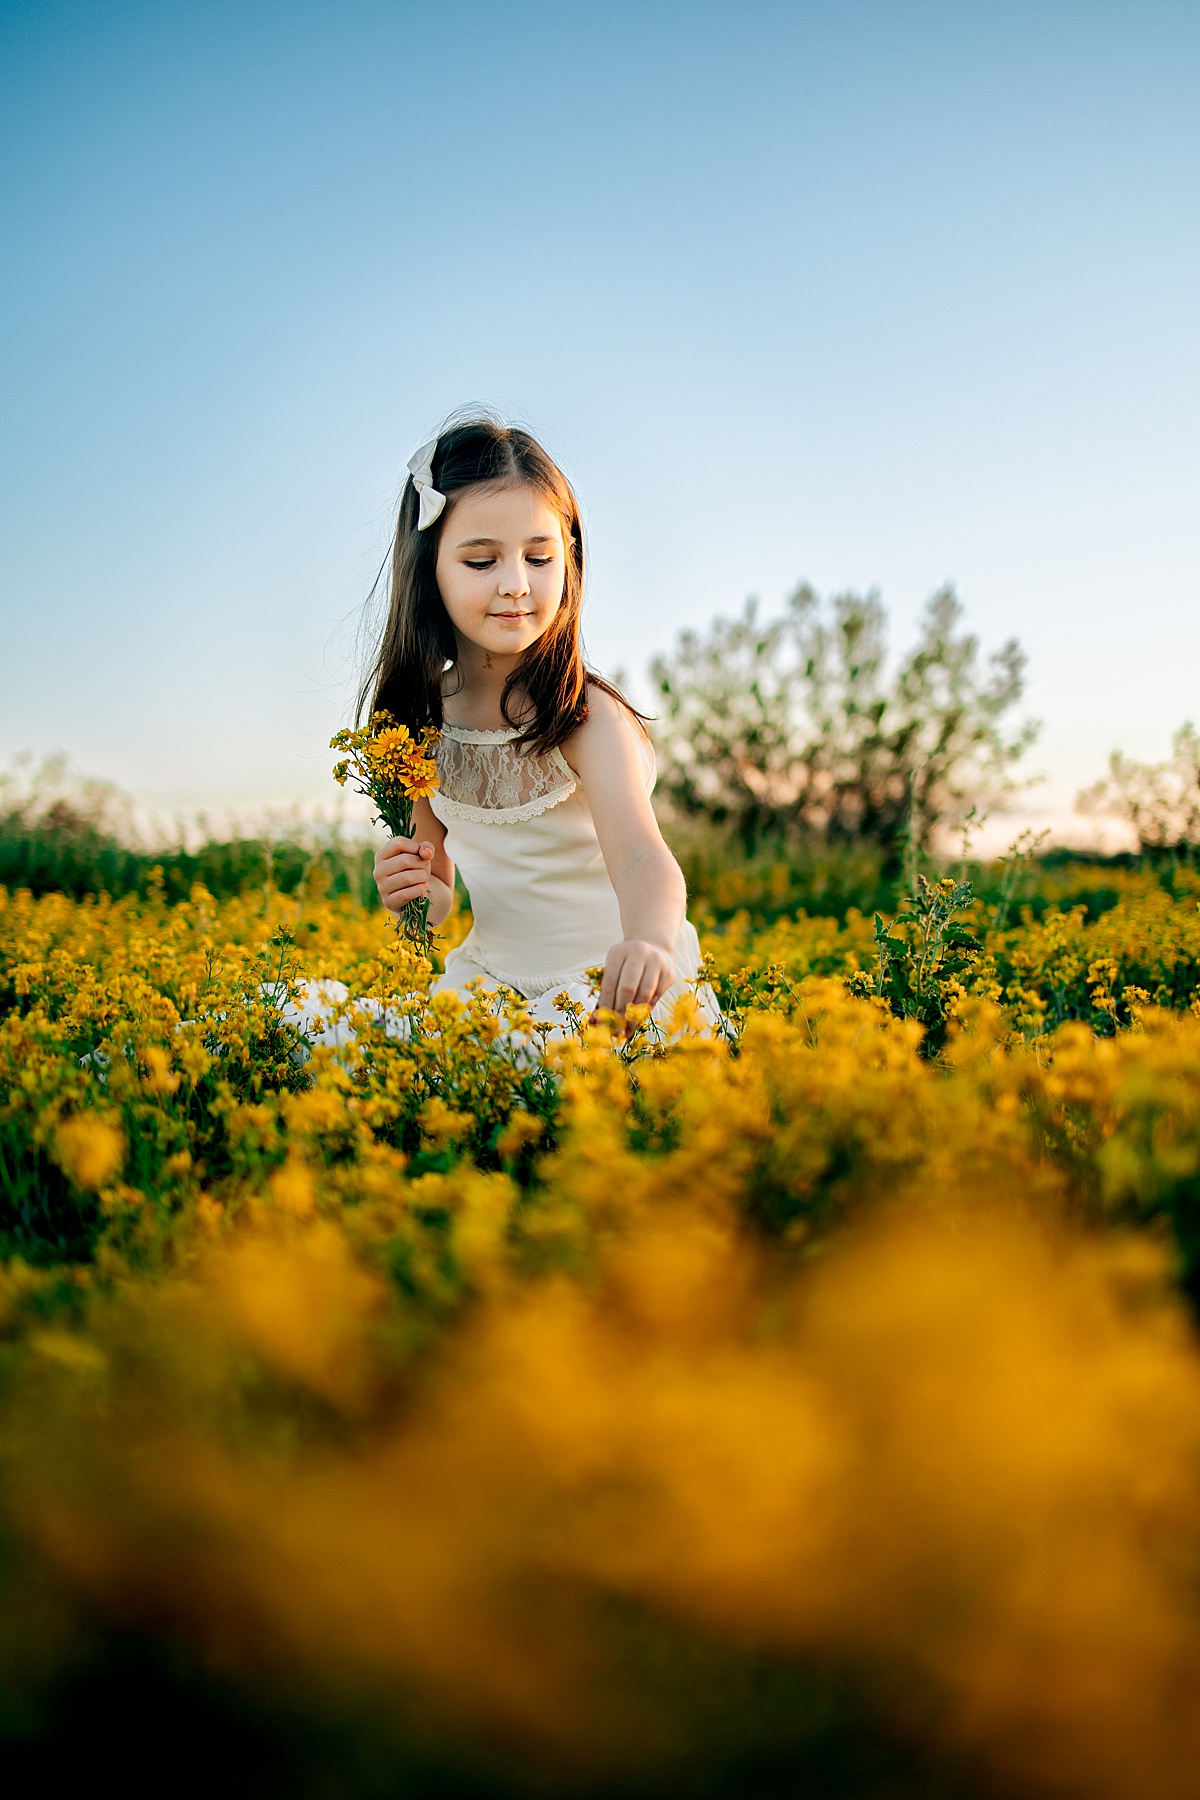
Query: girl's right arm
[{"x": 413, "y": 868}]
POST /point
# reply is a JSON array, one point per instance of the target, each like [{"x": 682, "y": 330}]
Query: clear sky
[{"x": 872, "y": 294}]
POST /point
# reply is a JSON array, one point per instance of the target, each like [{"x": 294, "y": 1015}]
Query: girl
[{"x": 545, "y": 769}]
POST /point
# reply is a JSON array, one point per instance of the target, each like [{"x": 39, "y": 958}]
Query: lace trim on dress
[
  {"x": 501, "y": 815},
  {"x": 463, "y": 734},
  {"x": 488, "y": 779},
  {"x": 531, "y": 987}
]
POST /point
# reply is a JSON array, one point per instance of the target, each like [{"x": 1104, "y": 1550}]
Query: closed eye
[{"x": 488, "y": 562}]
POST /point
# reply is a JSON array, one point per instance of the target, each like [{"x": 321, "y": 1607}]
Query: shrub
[
  {"x": 1160, "y": 800},
  {"x": 790, "y": 728}
]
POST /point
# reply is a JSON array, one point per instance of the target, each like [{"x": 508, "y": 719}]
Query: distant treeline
[
  {"x": 74, "y": 845},
  {"x": 64, "y": 850},
  {"x": 47, "y": 863},
  {"x": 797, "y": 770}
]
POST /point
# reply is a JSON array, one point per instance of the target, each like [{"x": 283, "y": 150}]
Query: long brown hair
[{"x": 405, "y": 676}]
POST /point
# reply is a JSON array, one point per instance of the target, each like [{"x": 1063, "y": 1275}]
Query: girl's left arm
[{"x": 605, "y": 754}]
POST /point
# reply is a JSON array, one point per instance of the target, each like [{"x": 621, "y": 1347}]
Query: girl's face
[{"x": 501, "y": 567}]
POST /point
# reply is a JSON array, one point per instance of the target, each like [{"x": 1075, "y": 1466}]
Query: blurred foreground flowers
[{"x": 764, "y": 1416}]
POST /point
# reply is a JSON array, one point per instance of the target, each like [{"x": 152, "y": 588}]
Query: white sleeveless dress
[{"x": 519, "y": 827}]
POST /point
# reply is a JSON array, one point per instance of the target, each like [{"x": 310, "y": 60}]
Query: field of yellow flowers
[{"x": 811, "y": 1409}]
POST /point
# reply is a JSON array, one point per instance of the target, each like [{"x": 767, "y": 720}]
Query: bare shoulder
[{"x": 609, "y": 731}]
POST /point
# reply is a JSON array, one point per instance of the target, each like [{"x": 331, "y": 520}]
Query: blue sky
[{"x": 869, "y": 294}]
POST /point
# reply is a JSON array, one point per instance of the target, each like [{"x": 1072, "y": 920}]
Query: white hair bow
[{"x": 420, "y": 467}]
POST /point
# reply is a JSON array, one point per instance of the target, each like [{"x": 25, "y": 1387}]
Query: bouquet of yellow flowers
[{"x": 392, "y": 768}]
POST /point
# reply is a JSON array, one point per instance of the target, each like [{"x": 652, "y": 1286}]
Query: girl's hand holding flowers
[
  {"x": 402, "y": 871},
  {"x": 395, "y": 769}
]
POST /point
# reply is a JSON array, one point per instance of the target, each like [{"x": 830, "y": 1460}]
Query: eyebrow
[{"x": 481, "y": 542}]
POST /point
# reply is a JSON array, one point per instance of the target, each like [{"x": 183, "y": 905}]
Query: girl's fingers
[
  {"x": 622, "y": 983},
  {"x": 608, "y": 986},
  {"x": 633, "y": 976},
  {"x": 407, "y": 864},
  {"x": 400, "y": 848},
  {"x": 405, "y": 888},
  {"x": 630, "y": 984},
  {"x": 393, "y": 847},
  {"x": 397, "y": 902},
  {"x": 400, "y": 853},
  {"x": 403, "y": 875}
]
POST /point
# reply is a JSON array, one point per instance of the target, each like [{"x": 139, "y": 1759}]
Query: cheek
[
  {"x": 552, "y": 587},
  {"x": 455, "y": 591}
]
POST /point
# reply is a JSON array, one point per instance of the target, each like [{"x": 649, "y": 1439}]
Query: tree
[
  {"x": 1160, "y": 800},
  {"x": 792, "y": 727}
]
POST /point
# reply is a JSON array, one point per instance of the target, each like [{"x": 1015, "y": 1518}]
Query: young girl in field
[{"x": 545, "y": 770}]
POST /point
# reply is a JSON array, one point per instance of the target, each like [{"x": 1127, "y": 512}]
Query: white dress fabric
[{"x": 519, "y": 827}]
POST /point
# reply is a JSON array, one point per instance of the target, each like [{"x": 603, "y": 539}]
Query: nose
[{"x": 513, "y": 579}]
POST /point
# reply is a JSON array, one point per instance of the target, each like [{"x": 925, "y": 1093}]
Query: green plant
[{"x": 919, "y": 973}]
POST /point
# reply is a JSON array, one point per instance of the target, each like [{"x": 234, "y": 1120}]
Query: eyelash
[{"x": 537, "y": 562}]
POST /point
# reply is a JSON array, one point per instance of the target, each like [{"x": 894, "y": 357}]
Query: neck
[{"x": 477, "y": 685}]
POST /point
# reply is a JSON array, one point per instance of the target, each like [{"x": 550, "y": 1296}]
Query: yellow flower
[
  {"x": 160, "y": 1077},
  {"x": 90, "y": 1150},
  {"x": 421, "y": 780},
  {"x": 442, "y": 1123}
]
